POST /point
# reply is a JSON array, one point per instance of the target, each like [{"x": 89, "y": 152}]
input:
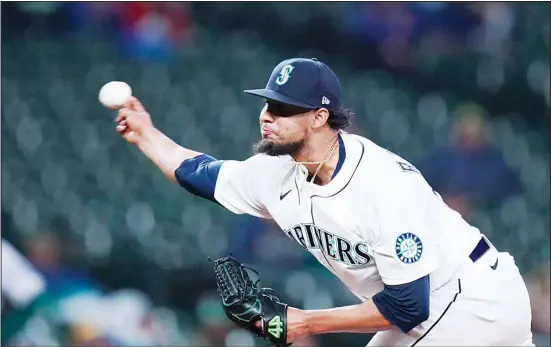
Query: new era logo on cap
[{"x": 302, "y": 82}]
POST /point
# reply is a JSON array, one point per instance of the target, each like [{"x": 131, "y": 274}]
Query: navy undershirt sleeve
[
  {"x": 405, "y": 305},
  {"x": 198, "y": 175}
]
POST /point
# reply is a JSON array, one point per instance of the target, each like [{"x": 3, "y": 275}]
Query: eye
[
  {"x": 284, "y": 110},
  {"x": 274, "y": 108}
]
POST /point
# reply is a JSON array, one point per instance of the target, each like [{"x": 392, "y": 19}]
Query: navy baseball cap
[{"x": 302, "y": 82}]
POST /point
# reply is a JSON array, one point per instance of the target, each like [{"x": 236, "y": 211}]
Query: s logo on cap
[{"x": 284, "y": 75}]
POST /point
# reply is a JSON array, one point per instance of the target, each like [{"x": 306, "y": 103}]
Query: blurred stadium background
[{"x": 461, "y": 90}]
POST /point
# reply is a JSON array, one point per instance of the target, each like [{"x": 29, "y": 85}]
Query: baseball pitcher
[{"x": 424, "y": 275}]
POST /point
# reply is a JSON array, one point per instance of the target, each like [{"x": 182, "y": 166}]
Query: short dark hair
[{"x": 340, "y": 119}]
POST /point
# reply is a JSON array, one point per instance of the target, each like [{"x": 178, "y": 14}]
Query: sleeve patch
[{"x": 409, "y": 248}]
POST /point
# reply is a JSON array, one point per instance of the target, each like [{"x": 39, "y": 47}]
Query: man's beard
[{"x": 273, "y": 149}]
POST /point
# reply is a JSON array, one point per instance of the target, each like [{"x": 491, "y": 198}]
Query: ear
[{"x": 319, "y": 118}]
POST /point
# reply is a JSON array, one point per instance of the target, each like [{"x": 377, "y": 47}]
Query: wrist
[
  {"x": 147, "y": 137},
  {"x": 310, "y": 322},
  {"x": 149, "y": 133}
]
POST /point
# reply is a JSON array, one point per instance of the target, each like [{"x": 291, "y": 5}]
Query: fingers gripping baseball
[
  {"x": 132, "y": 120},
  {"x": 134, "y": 104}
]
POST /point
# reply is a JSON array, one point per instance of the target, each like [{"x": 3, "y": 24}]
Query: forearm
[
  {"x": 361, "y": 318},
  {"x": 164, "y": 152},
  {"x": 404, "y": 306}
]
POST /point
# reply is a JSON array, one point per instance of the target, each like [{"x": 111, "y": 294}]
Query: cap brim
[{"x": 277, "y": 96}]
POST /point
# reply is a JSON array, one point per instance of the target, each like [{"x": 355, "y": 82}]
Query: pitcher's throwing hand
[{"x": 133, "y": 120}]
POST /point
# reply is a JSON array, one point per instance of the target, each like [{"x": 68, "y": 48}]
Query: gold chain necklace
[{"x": 326, "y": 158}]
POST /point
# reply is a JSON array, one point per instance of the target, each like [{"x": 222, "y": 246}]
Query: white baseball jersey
[{"x": 377, "y": 221}]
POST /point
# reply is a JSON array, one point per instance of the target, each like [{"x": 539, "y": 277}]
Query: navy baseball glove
[{"x": 244, "y": 302}]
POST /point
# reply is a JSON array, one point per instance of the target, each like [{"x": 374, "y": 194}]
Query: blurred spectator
[
  {"x": 22, "y": 286},
  {"x": 470, "y": 170},
  {"x": 540, "y": 294},
  {"x": 89, "y": 20},
  {"x": 44, "y": 252},
  {"x": 395, "y": 27},
  {"x": 152, "y": 31},
  {"x": 497, "y": 21},
  {"x": 143, "y": 31},
  {"x": 386, "y": 25}
]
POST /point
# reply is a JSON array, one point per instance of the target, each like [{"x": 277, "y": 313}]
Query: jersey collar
[
  {"x": 342, "y": 156},
  {"x": 352, "y": 152}
]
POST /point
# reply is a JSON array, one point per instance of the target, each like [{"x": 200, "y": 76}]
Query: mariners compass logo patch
[{"x": 409, "y": 248}]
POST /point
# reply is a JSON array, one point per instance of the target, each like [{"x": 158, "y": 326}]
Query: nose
[{"x": 265, "y": 116}]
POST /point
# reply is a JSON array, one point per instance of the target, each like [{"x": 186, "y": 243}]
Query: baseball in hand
[{"x": 114, "y": 94}]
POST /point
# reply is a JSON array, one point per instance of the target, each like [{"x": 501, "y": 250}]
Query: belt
[{"x": 481, "y": 248}]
